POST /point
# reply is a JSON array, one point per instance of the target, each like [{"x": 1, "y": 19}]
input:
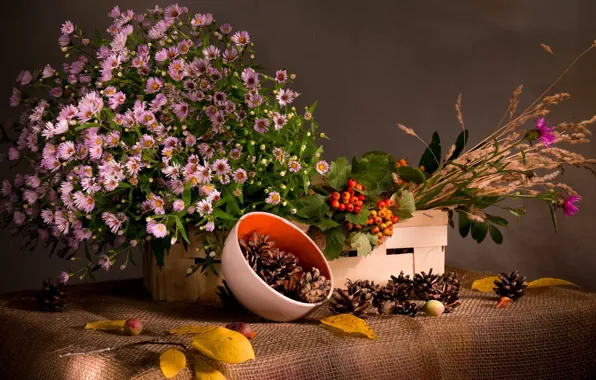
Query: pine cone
[
  {"x": 313, "y": 287},
  {"x": 52, "y": 297},
  {"x": 400, "y": 308},
  {"x": 511, "y": 285},
  {"x": 277, "y": 266},
  {"x": 444, "y": 289},
  {"x": 357, "y": 299},
  {"x": 424, "y": 283},
  {"x": 397, "y": 289},
  {"x": 254, "y": 246}
]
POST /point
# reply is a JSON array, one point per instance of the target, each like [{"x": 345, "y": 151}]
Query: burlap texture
[{"x": 549, "y": 334}]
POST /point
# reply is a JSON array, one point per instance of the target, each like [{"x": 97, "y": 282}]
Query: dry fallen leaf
[
  {"x": 106, "y": 325},
  {"x": 350, "y": 324},
  {"x": 548, "y": 281},
  {"x": 504, "y": 302},
  {"x": 224, "y": 345},
  {"x": 171, "y": 362},
  {"x": 194, "y": 329},
  {"x": 204, "y": 371},
  {"x": 547, "y": 49},
  {"x": 485, "y": 284}
]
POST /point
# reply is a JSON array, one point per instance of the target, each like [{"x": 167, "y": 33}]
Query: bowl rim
[{"x": 270, "y": 289}]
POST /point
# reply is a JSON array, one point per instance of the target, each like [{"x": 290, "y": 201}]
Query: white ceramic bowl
[{"x": 248, "y": 288}]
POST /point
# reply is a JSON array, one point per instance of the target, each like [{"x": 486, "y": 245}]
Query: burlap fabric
[{"x": 549, "y": 334}]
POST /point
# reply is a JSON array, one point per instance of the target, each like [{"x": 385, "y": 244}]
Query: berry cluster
[
  {"x": 382, "y": 219},
  {"x": 350, "y": 200}
]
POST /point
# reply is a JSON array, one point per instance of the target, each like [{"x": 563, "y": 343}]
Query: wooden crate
[
  {"x": 418, "y": 244},
  {"x": 170, "y": 283},
  {"x": 425, "y": 235}
]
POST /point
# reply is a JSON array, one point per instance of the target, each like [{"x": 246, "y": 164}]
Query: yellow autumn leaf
[
  {"x": 223, "y": 344},
  {"x": 171, "y": 362},
  {"x": 105, "y": 325},
  {"x": 194, "y": 329},
  {"x": 350, "y": 324},
  {"x": 485, "y": 284},
  {"x": 204, "y": 371},
  {"x": 549, "y": 281}
]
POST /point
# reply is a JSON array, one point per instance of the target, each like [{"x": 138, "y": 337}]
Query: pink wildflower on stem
[
  {"x": 545, "y": 132},
  {"x": 569, "y": 207}
]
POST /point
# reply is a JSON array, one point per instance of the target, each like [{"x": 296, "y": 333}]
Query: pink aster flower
[
  {"x": 225, "y": 28},
  {"x": 202, "y": 19},
  {"x": 285, "y": 97},
  {"x": 112, "y": 221},
  {"x": 153, "y": 85},
  {"x": 221, "y": 166},
  {"x": 274, "y": 198},
  {"x": 13, "y": 153},
  {"x": 84, "y": 202},
  {"x": 172, "y": 12},
  {"x": 250, "y": 78},
  {"x": 63, "y": 277},
  {"x": 47, "y": 72},
  {"x": 241, "y": 38},
  {"x": 181, "y": 110},
  {"x": 322, "y": 167},
  {"x": 67, "y": 28},
  {"x": 15, "y": 98},
  {"x": 279, "y": 120},
  {"x": 117, "y": 100},
  {"x": 230, "y": 55},
  {"x": 24, "y": 78},
  {"x": 261, "y": 125},
  {"x": 19, "y": 217},
  {"x": 211, "y": 52},
  {"x": 159, "y": 230},
  {"x": 547, "y": 136},
  {"x": 178, "y": 205},
  {"x": 240, "y": 176},
  {"x": 294, "y": 166},
  {"x": 204, "y": 207},
  {"x": 104, "y": 262},
  {"x": 6, "y": 188},
  {"x": 569, "y": 207},
  {"x": 66, "y": 150},
  {"x": 281, "y": 76}
]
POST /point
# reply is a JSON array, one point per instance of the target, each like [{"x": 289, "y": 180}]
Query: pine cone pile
[
  {"x": 52, "y": 297},
  {"x": 443, "y": 288},
  {"x": 281, "y": 270},
  {"x": 510, "y": 285}
]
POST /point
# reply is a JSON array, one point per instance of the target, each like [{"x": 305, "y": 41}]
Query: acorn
[
  {"x": 242, "y": 328},
  {"x": 434, "y": 308},
  {"x": 133, "y": 327}
]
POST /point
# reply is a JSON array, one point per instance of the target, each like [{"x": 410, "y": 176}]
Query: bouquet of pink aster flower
[{"x": 165, "y": 126}]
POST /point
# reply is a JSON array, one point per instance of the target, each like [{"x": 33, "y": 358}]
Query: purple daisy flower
[
  {"x": 569, "y": 207},
  {"x": 261, "y": 125},
  {"x": 547, "y": 136}
]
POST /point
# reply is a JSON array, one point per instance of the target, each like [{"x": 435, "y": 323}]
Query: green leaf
[
  {"x": 411, "y": 174},
  {"x": 313, "y": 206},
  {"x": 374, "y": 239},
  {"x": 460, "y": 144},
  {"x": 221, "y": 214},
  {"x": 553, "y": 214},
  {"x": 374, "y": 171},
  {"x": 519, "y": 211},
  {"x": 479, "y": 231},
  {"x": 339, "y": 172},
  {"x": 360, "y": 218},
  {"x": 182, "y": 229},
  {"x": 325, "y": 224},
  {"x": 497, "y": 220},
  {"x": 432, "y": 155},
  {"x": 186, "y": 196},
  {"x": 495, "y": 234},
  {"x": 523, "y": 154},
  {"x": 464, "y": 224},
  {"x": 159, "y": 247},
  {"x": 87, "y": 126},
  {"x": 361, "y": 243},
  {"x": 336, "y": 238},
  {"x": 406, "y": 205}
]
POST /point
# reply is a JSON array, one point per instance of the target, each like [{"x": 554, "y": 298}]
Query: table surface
[{"x": 549, "y": 333}]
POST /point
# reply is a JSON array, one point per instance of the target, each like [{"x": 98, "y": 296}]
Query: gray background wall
[{"x": 371, "y": 64}]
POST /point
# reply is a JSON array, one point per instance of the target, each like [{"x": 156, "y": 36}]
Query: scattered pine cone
[
  {"x": 443, "y": 288},
  {"x": 357, "y": 299},
  {"x": 400, "y": 308},
  {"x": 52, "y": 297},
  {"x": 511, "y": 285},
  {"x": 313, "y": 287}
]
